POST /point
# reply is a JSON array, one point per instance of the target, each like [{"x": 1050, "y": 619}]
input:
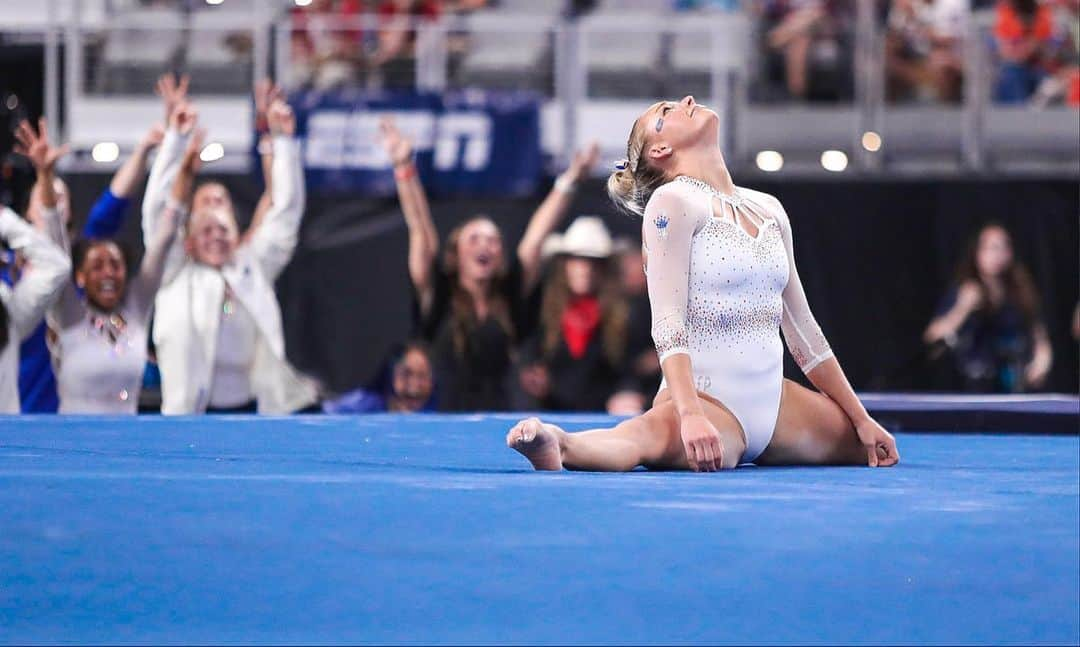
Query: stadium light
[
  {"x": 302, "y": 3},
  {"x": 212, "y": 152},
  {"x": 105, "y": 152},
  {"x": 834, "y": 161},
  {"x": 214, "y": 2},
  {"x": 871, "y": 141},
  {"x": 770, "y": 161}
]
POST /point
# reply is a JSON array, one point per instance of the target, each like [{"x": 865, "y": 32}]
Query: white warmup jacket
[
  {"x": 46, "y": 271},
  {"x": 189, "y": 304}
]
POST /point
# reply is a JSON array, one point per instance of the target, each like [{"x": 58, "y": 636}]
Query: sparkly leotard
[{"x": 722, "y": 284}]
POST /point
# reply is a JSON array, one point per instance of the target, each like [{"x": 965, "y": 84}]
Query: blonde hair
[{"x": 632, "y": 183}]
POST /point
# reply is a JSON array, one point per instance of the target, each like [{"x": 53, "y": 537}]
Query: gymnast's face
[
  {"x": 212, "y": 237},
  {"x": 994, "y": 254},
  {"x": 670, "y": 127},
  {"x": 582, "y": 275},
  {"x": 412, "y": 381},
  {"x": 103, "y": 275},
  {"x": 479, "y": 250}
]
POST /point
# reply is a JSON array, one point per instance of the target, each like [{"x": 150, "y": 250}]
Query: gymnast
[{"x": 722, "y": 281}]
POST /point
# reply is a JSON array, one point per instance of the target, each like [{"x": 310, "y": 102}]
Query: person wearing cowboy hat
[{"x": 580, "y": 351}]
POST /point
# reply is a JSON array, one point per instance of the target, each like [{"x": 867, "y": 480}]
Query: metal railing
[{"x": 593, "y": 74}]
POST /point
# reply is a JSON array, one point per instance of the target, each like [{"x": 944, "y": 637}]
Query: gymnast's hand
[
  {"x": 701, "y": 440},
  {"x": 880, "y": 444}
]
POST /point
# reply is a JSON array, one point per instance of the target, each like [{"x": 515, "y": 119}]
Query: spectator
[
  {"x": 395, "y": 57},
  {"x": 813, "y": 39},
  {"x": 581, "y": 355},
  {"x": 405, "y": 384},
  {"x": 23, "y": 304},
  {"x": 1023, "y": 31},
  {"x": 1064, "y": 81},
  {"x": 475, "y": 305},
  {"x": 217, "y": 327},
  {"x": 991, "y": 320},
  {"x": 326, "y": 44},
  {"x": 923, "y": 49},
  {"x": 99, "y": 349}
]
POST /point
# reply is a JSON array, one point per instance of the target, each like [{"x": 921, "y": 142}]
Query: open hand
[
  {"x": 281, "y": 119},
  {"x": 266, "y": 93},
  {"x": 184, "y": 118},
  {"x": 880, "y": 444},
  {"x": 701, "y": 440},
  {"x": 397, "y": 147},
  {"x": 36, "y": 147},
  {"x": 153, "y": 137},
  {"x": 173, "y": 92},
  {"x": 583, "y": 161}
]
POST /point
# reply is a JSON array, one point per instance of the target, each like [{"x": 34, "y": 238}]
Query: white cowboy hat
[{"x": 586, "y": 237}]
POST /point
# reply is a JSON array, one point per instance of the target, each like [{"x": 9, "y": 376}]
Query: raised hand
[
  {"x": 189, "y": 166},
  {"x": 173, "y": 92},
  {"x": 153, "y": 137},
  {"x": 183, "y": 118},
  {"x": 397, "y": 147},
  {"x": 281, "y": 119},
  {"x": 35, "y": 146},
  {"x": 583, "y": 161},
  {"x": 265, "y": 94}
]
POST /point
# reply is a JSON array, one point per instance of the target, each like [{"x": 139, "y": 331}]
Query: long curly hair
[
  {"x": 462, "y": 307},
  {"x": 614, "y": 311},
  {"x": 1019, "y": 286}
]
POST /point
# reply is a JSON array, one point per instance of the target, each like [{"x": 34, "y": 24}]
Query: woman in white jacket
[
  {"x": 23, "y": 306},
  {"x": 217, "y": 327}
]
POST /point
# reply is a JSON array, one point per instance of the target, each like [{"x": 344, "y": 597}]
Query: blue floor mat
[{"x": 428, "y": 529}]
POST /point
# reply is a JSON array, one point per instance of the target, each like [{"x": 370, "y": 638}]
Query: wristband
[
  {"x": 404, "y": 172},
  {"x": 564, "y": 184}
]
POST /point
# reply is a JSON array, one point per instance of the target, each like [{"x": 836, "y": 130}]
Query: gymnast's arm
[
  {"x": 423, "y": 237},
  {"x": 814, "y": 356},
  {"x": 667, "y": 231}
]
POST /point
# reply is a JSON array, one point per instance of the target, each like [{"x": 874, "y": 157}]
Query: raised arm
[
  {"x": 106, "y": 217},
  {"x": 43, "y": 156},
  {"x": 46, "y": 272},
  {"x": 814, "y": 356},
  {"x": 667, "y": 232},
  {"x": 164, "y": 250},
  {"x": 423, "y": 237},
  {"x": 265, "y": 94},
  {"x": 551, "y": 212},
  {"x": 166, "y": 165},
  {"x": 274, "y": 241}
]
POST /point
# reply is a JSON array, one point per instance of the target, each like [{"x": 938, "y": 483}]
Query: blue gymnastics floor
[{"x": 427, "y": 529}]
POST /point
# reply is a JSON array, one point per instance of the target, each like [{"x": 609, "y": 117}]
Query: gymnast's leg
[
  {"x": 652, "y": 440},
  {"x": 811, "y": 429}
]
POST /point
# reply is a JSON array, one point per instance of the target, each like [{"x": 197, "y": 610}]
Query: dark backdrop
[{"x": 875, "y": 257}]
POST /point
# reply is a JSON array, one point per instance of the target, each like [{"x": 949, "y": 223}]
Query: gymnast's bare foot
[{"x": 538, "y": 442}]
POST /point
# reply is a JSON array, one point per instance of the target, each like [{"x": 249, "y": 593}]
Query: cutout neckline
[{"x": 736, "y": 202}]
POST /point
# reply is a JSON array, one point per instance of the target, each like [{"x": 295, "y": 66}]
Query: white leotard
[{"x": 721, "y": 295}]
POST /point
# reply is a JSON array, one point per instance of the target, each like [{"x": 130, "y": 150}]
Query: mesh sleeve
[
  {"x": 667, "y": 231},
  {"x": 801, "y": 330}
]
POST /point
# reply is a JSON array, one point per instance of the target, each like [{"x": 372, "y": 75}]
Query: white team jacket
[
  {"x": 46, "y": 271},
  {"x": 189, "y": 303}
]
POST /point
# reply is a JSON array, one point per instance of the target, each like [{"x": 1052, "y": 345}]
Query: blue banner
[{"x": 477, "y": 143}]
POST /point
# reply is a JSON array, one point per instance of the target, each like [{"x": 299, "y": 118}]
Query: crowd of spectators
[{"x": 560, "y": 322}]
